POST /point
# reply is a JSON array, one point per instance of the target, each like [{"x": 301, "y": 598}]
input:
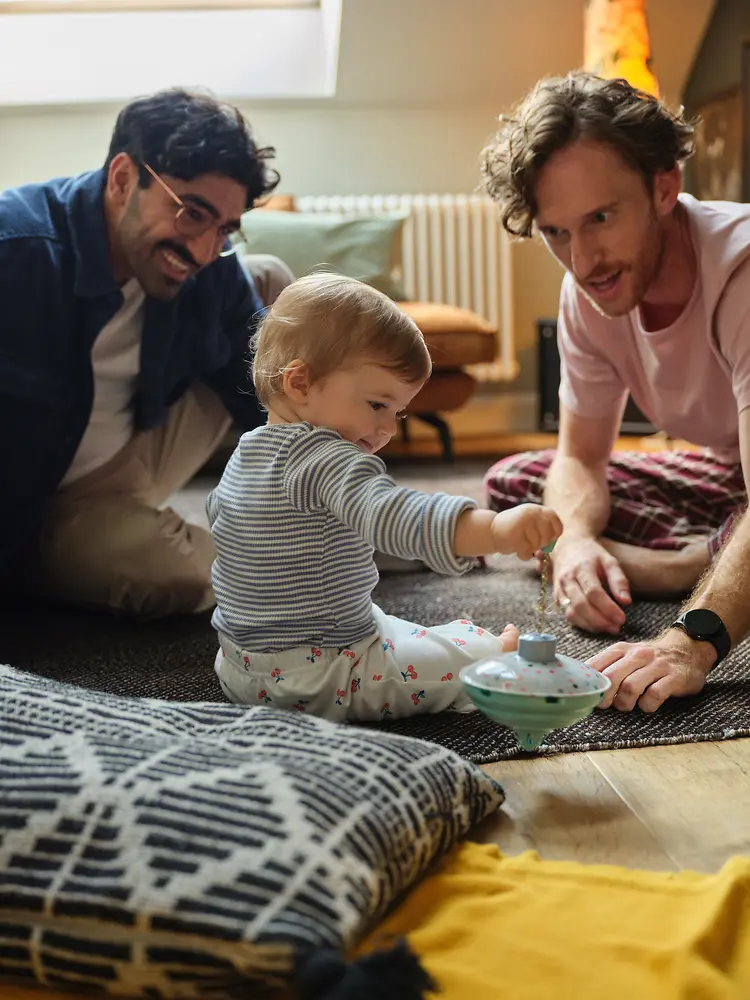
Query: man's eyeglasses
[{"x": 191, "y": 220}]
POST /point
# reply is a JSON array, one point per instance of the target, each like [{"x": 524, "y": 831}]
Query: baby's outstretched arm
[{"x": 524, "y": 530}]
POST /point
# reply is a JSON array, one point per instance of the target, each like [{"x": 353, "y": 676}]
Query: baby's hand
[{"x": 525, "y": 529}]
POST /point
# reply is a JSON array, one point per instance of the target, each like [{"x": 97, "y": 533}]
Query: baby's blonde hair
[{"x": 332, "y": 322}]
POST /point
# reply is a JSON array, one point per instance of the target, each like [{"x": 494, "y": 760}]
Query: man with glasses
[{"x": 124, "y": 328}]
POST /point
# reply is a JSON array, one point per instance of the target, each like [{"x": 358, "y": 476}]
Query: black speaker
[{"x": 633, "y": 421}]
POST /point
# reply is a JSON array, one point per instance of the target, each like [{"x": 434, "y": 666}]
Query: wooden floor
[
  {"x": 662, "y": 808},
  {"x": 494, "y": 446}
]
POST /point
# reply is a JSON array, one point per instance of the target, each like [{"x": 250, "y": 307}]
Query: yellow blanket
[{"x": 487, "y": 927}]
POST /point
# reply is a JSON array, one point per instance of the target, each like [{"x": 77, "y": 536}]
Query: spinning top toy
[{"x": 535, "y": 689}]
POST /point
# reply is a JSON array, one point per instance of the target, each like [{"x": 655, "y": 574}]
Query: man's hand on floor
[
  {"x": 647, "y": 673},
  {"x": 586, "y": 576}
]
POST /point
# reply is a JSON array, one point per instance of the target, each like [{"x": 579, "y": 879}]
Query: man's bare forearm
[
  {"x": 725, "y": 587},
  {"x": 579, "y": 494}
]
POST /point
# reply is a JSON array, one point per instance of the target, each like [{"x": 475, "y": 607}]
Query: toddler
[{"x": 304, "y": 502}]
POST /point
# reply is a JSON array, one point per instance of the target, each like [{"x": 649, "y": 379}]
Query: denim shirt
[{"x": 57, "y": 292}]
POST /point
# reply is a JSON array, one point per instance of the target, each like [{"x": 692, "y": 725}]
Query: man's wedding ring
[{"x": 564, "y": 602}]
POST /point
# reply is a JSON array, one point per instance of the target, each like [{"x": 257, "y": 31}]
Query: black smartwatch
[{"x": 706, "y": 626}]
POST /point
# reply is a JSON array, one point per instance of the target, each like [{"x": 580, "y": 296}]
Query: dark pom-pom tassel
[{"x": 383, "y": 975}]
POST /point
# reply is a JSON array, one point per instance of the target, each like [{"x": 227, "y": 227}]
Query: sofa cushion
[
  {"x": 455, "y": 336},
  {"x": 155, "y": 848},
  {"x": 367, "y": 247}
]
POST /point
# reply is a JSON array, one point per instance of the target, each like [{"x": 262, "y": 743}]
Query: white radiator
[{"x": 455, "y": 251}]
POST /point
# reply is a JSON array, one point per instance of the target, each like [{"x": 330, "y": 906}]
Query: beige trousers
[{"x": 107, "y": 542}]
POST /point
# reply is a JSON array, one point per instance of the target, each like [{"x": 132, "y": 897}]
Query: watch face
[{"x": 701, "y": 621}]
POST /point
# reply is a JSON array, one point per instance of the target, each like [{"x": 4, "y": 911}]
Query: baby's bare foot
[{"x": 509, "y": 639}]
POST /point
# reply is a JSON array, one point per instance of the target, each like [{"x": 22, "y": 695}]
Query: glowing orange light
[{"x": 616, "y": 42}]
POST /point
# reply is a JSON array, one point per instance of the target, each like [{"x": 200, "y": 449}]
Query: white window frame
[
  {"x": 142, "y": 6},
  {"x": 285, "y": 49}
]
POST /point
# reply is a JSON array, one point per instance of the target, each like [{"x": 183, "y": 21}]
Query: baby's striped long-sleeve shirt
[{"x": 296, "y": 519}]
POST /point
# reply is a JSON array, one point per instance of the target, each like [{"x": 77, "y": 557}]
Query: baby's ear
[{"x": 296, "y": 380}]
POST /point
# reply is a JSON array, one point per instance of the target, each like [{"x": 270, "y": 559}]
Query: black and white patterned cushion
[{"x": 166, "y": 849}]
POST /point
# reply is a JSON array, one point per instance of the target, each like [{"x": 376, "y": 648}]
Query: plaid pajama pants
[{"x": 660, "y": 500}]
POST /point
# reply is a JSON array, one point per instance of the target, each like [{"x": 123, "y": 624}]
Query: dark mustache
[{"x": 182, "y": 252}]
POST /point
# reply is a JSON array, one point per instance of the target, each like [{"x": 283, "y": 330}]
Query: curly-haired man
[{"x": 656, "y": 303}]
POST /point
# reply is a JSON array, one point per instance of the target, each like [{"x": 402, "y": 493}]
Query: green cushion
[{"x": 367, "y": 247}]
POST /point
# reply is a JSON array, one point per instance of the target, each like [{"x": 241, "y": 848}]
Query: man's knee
[
  {"x": 168, "y": 573},
  {"x": 125, "y": 557},
  {"x": 517, "y": 479},
  {"x": 270, "y": 275}
]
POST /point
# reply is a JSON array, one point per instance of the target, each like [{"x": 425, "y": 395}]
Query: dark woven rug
[{"x": 174, "y": 660}]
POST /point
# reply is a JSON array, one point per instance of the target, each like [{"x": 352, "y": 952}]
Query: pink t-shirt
[{"x": 691, "y": 379}]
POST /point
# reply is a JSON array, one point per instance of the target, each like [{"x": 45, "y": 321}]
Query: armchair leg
[{"x": 444, "y": 431}]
